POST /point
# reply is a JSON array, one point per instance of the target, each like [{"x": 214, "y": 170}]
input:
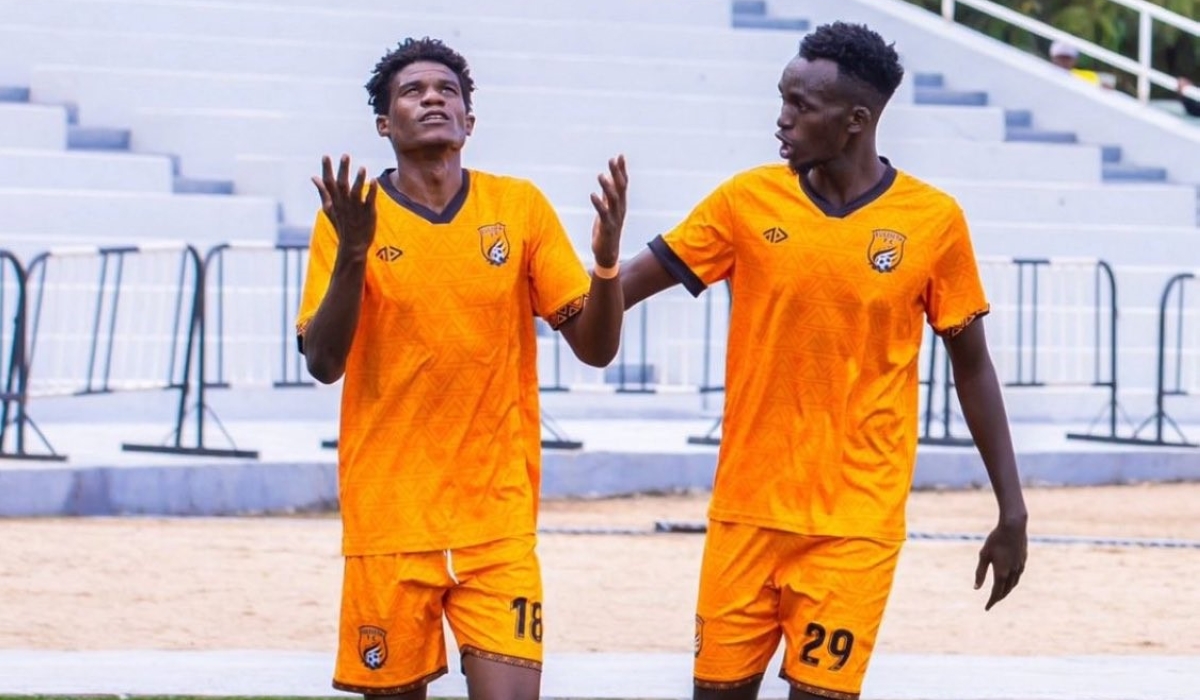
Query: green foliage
[{"x": 1101, "y": 22}]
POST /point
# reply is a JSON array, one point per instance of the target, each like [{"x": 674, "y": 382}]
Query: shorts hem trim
[
  {"x": 814, "y": 690},
  {"x": 726, "y": 685},
  {"x": 393, "y": 689},
  {"x": 502, "y": 658}
]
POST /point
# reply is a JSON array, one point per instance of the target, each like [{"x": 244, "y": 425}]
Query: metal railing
[
  {"x": 1142, "y": 69},
  {"x": 14, "y": 369},
  {"x": 1178, "y": 363},
  {"x": 1053, "y": 324}
]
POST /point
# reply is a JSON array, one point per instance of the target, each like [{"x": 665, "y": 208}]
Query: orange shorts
[
  {"x": 824, "y": 595},
  {"x": 391, "y": 637}
]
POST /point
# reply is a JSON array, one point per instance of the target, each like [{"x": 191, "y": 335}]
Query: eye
[{"x": 450, "y": 89}]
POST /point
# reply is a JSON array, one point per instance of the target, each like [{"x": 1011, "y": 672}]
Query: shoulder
[
  {"x": 506, "y": 185},
  {"x": 758, "y": 176},
  {"x": 922, "y": 197}
]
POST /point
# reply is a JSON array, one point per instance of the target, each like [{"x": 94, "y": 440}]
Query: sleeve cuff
[
  {"x": 676, "y": 267},
  {"x": 566, "y": 312},
  {"x": 958, "y": 327}
]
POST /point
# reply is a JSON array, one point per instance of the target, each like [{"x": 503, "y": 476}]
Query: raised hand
[
  {"x": 1005, "y": 551},
  {"x": 353, "y": 216},
  {"x": 610, "y": 213}
]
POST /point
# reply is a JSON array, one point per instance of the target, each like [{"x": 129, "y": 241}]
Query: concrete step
[
  {"x": 135, "y": 216},
  {"x": 604, "y": 68},
  {"x": 734, "y": 136},
  {"x": 191, "y": 185},
  {"x": 929, "y": 80},
  {"x": 13, "y": 94},
  {"x": 1018, "y": 118},
  {"x": 1043, "y": 136},
  {"x": 942, "y": 96},
  {"x": 32, "y": 126},
  {"x": 98, "y": 138},
  {"x": 603, "y": 28},
  {"x": 75, "y": 170},
  {"x": 783, "y": 24},
  {"x": 1122, "y": 172}
]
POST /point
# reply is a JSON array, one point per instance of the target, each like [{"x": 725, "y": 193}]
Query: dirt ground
[{"x": 273, "y": 583}]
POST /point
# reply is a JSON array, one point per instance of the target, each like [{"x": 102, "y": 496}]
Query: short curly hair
[
  {"x": 859, "y": 52},
  {"x": 410, "y": 51}
]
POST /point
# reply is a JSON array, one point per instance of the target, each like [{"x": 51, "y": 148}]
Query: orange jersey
[
  {"x": 820, "y": 428},
  {"x": 439, "y": 444}
]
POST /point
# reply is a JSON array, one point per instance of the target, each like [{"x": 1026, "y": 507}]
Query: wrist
[
  {"x": 607, "y": 272},
  {"x": 1014, "y": 520}
]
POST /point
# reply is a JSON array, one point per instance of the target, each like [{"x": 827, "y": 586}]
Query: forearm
[
  {"x": 598, "y": 325},
  {"x": 330, "y": 333},
  {"x": 983, "y": 408}
]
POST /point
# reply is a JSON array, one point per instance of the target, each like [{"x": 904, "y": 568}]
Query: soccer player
[
  {"x": 421, "y": 292},
  {"x": 836, "y": 259}
]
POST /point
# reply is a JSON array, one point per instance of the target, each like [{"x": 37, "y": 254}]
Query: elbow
[
  {"x": 599, "y": 359},
  {"x": 324, "y": 370}
]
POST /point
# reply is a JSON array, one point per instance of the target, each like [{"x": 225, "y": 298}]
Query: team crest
[
  {"x": 372, "y": 647},
  {"x": 886, "y": 250},
  {"x": 699, "y": 634},
  {"x": 493, "y": 241}
]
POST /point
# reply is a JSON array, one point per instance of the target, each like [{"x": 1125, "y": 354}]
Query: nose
[
  {"x": 432, "y": 95},
  {"x": 784, "y": 121}
]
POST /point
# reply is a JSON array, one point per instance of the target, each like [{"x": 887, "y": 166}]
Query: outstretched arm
[
  {"x": 643, "y": 277},
  {"x": 330, "y": 333},
  {"x": 595, "y": 333},
  {"x": 983, "y": 407}
]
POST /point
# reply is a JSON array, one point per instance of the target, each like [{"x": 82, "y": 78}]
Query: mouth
[
  {"x": 434, "y": 118},
  {"x": 785, "y": 146}
]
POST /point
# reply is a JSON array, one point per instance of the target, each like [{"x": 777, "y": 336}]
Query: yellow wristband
[{"x": 607, "y": 273}]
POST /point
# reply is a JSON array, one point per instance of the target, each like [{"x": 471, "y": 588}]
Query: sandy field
[{"x": 274, "y": 583}]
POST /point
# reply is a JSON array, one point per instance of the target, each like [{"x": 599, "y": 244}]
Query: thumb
[{"x": 981, "y": 568}]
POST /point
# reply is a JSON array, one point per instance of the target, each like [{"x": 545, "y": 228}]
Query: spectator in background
[
  {"x": 1191, "y": 106},
  {"x": 1065, "y": 56}
]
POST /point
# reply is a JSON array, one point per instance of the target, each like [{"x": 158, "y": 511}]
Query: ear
[
  {"x": 860, "y": 119},
  {"x": 470, "y": 124},
  {"x": 381, "y": 125}
]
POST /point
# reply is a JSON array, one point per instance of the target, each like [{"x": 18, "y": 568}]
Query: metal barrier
[
  {"x": 244, "y": 331},
  {"x": 14, "y": 371},
  {"x": 105, "y": 320},
  {"x": 1053, "y": 323},
  {"x": 669, "y": 344},
  {"x": 1183, "y": 356}
]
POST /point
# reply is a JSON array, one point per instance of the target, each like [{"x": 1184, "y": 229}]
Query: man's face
[
  {"x": 1063, "y": 61},
  {"x": 426, "y": 109},
  {"x": 814, "y": 119}
]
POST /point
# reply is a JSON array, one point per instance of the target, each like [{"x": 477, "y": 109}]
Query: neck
[
  {"x": 849, "y": 177},
  {"x": 431, "y": 181}
]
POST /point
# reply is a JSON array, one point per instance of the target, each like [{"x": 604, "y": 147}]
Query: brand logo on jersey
[
  {"x": 493, "y": 241},
  {"x": 389, "y": 253},
  {"x": 775, "y": 235},
  {"x": 372, "y": 647},
  {"x": 699, "y": 634},
  {"x": 886, "y": 250}
]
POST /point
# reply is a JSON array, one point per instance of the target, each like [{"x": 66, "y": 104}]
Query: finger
[
  {"x": 999, "y": 584},
  {"x": 327, "y": 172},
  {"x": 371, "y": 194},
  {"x": 326, "y": 202},
  {"x": 356, "y": 189},
  {"x": 620, "y": 176},
  {"x": 981, "y": 569},
  {"x": 343, "y": 176},
  {"x": 611, "y": 196},
  {"x": 600, "y": 205}
]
